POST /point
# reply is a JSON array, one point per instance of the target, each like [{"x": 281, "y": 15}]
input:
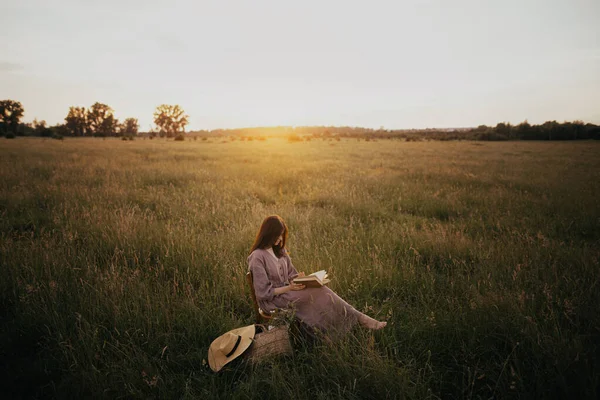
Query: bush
[
  {"x": 124, "y": 138},
  {"x": 294, "y": 138},
  {"x": 10, "y": 135},
  {"x": 179, "y": 138},
  {"x": 57, "y": 136},
  {"x": 491, "y": 136}
]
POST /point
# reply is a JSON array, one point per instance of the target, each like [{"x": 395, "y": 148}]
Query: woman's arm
[
  {"x": 263, "y": 288},
  {"x": 289, "y": 288},
  {"x": 292, "y": 272},
  {"x": 262, "y": 284}
]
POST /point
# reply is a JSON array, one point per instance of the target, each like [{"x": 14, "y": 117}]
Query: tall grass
[{"x": 122, "y": 261}]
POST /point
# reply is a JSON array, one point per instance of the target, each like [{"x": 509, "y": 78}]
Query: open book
[{"x": 314, "y": 280}]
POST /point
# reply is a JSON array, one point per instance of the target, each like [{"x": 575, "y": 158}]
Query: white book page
[{"x": 320, "y": 275}]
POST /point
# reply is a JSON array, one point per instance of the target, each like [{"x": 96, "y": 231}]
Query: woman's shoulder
[{"x": 256, "y": 254}]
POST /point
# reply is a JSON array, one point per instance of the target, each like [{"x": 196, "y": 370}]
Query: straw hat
[{"x": 228, "y": 346}]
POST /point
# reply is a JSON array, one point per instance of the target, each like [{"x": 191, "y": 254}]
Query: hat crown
[{"x": 228, "y": 343}]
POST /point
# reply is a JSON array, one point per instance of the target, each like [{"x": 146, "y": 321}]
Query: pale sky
[{"x": 397, "y": 64}]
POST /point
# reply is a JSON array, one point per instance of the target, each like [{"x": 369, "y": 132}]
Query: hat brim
[{"x": 217, "y": 360}]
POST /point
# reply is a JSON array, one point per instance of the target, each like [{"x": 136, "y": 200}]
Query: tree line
[
  {"x": 171, "y": 120},
  {"x": 550, "y": 130},
  {"x": 98, "y": 120}
]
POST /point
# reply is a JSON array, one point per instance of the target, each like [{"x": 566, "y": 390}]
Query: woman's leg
[
  {"x": 370, "y": 323},
  {"x": 322, "y": 308},
  {"x": 363, "y": 319}
]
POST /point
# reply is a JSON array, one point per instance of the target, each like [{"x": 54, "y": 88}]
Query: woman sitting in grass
[{"x": 272, "y": 271}]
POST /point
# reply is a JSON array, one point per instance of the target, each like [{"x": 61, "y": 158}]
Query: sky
[{"x": 241, "y": 63}]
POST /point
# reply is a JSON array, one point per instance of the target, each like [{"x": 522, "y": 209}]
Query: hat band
[{"x": 237, "y": 343}]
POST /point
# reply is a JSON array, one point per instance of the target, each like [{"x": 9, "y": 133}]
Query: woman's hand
[
  {"x": 300, "y": 275},
  {"x": 295, "y": 286},
  {"x": 288, "y": 288}
]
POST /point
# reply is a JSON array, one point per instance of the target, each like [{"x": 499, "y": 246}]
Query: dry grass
[{"x": 123, "y": 260}]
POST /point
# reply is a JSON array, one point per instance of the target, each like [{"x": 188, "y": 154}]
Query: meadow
[{"x": 122, "y": 260}]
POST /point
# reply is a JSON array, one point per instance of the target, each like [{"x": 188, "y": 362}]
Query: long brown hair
[{"x": 268, "y": 233}]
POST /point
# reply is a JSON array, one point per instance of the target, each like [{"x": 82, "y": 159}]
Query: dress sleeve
[
  {"x": 262, "y": 285},
  {"x": 291, "y": 269}
]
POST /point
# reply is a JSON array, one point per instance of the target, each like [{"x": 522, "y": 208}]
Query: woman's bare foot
[{"x": 371, "y": 323}]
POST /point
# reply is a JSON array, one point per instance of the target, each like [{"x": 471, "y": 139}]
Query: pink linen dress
[{"x": 320, "y": 308}]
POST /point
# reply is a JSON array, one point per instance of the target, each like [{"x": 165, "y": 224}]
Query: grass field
[{"x": 122, "y": 260}]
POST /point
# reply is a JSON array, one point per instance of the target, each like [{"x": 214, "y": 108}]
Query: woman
[{"x": 273, "y": 272}]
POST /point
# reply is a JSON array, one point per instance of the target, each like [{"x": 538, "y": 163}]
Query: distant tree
[
  {"x": 503, "y": 130},
  {"x": 579, "y": 131},
  {"x": 130, "y": 127},
  {"x": 524, "y": 131},
  {"x": 24, "y": 129},
  {"x": 11, "y": 113},
  {"x": 38, "y": 125},
  {"x": 101, "y": 120},
  {"x": 592, "y": 131},
  {"x": 58, "y": 130},
  {"x": 40, "y": 128},
  {"x": 550, "y": 130},
  {"x": 170, "y": 119},
  {"x": 76, "y": 122}
]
